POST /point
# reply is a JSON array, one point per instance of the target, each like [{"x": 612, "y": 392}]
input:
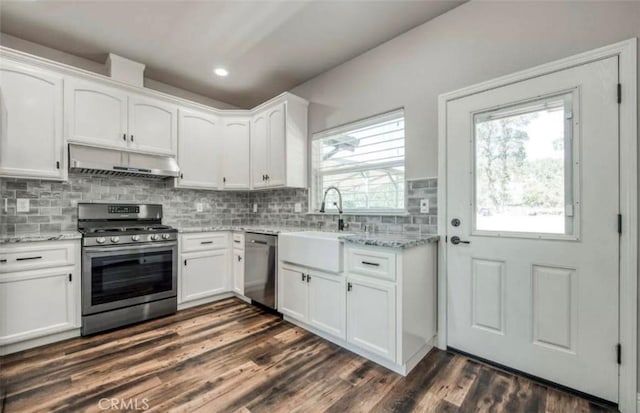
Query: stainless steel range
[{"x": 129, "y": 265}]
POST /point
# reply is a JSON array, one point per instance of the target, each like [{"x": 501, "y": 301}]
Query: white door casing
[{"x": 544, "y": 304}]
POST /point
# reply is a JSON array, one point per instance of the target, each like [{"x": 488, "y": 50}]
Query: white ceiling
[{"x": 268, "y": 46}]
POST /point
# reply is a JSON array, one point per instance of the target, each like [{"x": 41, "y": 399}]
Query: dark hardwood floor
[{"x": 232, "y": 357}]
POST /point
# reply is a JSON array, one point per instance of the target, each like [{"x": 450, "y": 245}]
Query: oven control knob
[
  {"x": 165, "y": 236},
  {"x": 100, "y": 240},
  {"x": 135, "y": 238},
  {"x": 155, "y": 237},
  {"x": 115, "y": 239}
]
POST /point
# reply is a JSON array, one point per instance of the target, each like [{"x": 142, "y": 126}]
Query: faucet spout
[{"x": 338, "y": 205}]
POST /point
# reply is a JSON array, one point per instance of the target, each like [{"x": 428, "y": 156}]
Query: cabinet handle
[
  {"x": 239, "y": 258},
  {"x": 374, "y": 264},
  {"x": 185, "y": 263},
  {"x": 28, "y": 258},
  {"x": 57, "y": 164},
  {"x": 236, "y": 241},
  {"x": 303, "y": 276},
  {"x": 124, "y": 137},
  {"x": 224, "y": 179},
  {"x": 267, "y": 177},
  {"x": 181, "y": 175},
  {"x": 308, "y": 278},
  {"x": 349, "y": 286},
  {"x": 206, "y": 242},
  {"x": 3, "y": 261},
  {"x": 70, "y": 277},
  {"x": 131, "y": 138}
]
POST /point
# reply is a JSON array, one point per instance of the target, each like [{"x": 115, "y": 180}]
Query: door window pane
[{"x": 523, "y": 168}]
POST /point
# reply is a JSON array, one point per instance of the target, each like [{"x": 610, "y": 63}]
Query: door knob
[{"x": 456, "y": 240}]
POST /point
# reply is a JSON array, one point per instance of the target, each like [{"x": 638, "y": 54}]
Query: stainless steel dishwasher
[{"x": 260, "y": 270}]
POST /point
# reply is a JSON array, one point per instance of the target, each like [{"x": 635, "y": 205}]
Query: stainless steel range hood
[{"x": 101, "y": 161}]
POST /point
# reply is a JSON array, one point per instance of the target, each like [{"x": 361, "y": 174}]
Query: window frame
[
  {"x": 572, "y": 135},
  {"x": 315, "y": 194}
]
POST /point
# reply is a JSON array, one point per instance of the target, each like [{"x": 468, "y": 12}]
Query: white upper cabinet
[
  {"x": 95, "y": 114},
  {"x": 199, "y": 138},
  {"x": 236, "y": 139},
  {"x": 31, "y": 141},
  {"x": 259, "y": 151},
  {"x": 152, "y": 125},
  {"x": 106, "y": 116},
  {"x": 279, "y": 144}
]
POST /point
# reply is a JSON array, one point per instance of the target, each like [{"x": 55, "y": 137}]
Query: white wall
[
  {"x": 86, "y": 64},
  {"x": 475, "y": 42}
]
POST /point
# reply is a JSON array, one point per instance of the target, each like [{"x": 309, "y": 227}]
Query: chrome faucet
[{"x": 338, "y": 205}]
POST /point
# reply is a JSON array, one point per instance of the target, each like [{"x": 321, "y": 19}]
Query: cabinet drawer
[
  {"x": 38, "y": 256},
  {"x": 205, "y": 241},
  {"x": 238, "y": 240},
  {"x": 379, "y": 264}
]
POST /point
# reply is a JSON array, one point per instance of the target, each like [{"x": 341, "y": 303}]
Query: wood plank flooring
[{"x": 232, "y": 357}]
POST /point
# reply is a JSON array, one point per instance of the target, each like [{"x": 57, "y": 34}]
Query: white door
[
  {"x": 532, "y": 173},
  {"x": 236, "y": 164},
  {"x": 327, "y": 302},
  {"x": 153, "y": 126},
  {"x": 199, "y": 150},
  {"x": 292, "y": 292},
  {"x": 238, "y": 271},
  {"x": 276, "y": 146},
  {"x": 371, "y": 316},
  {"x": 204, "y": 274},
  {"x": 95, "y": 114},
  {"x": 36, "y": 303},
  {"x": 259, "y": 151},
  {"x": 30, "y": 123}
]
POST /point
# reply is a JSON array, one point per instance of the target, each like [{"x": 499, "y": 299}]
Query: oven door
[{"x": 120, "y": 276}]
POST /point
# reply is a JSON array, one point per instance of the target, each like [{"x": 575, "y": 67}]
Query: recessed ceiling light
[{"x": 221, "y": 71}]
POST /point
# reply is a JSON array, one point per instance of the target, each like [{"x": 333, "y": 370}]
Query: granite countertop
[
  {"x": 372, "y": 239},
  {"x": 390, "y": 240},
  {"x": 44, "y": 236}
]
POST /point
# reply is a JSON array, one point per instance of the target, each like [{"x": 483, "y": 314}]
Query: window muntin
[
  {"x": 365, "y": 160},
  {"x": 524, "y": 168}
]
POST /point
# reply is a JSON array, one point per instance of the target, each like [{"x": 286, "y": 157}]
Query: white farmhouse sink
[{"x": 314, "y": 249}]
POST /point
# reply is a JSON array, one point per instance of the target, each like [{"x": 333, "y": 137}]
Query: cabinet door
[
  {"x": 371, "y": 316},
  {"x": 236, "y": 166},
  {"x": 152, "y": 126},
  {"x": 277, "y": 146},
  {"x": 204, "y": 274},
  {"x": 327, "y": 302},
  {"x": 198, "y": 150},
  {"x": 259, "y": 151},
  {"x": 238, "y": 271},
  {"x": 31, "y": 143},
  {"x": 95, "y": 114},
  {"x": 37, "y": 303},
  {"x": 292, "y": 289}
]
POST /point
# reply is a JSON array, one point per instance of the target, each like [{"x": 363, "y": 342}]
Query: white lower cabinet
[
  {"x": 292, "y": 290},
  {"x": 327, "y": 302},
  {"x": 204, "y": 274},
  {"x": 313, "y": 297},
  {"x": 382, "y": 307},
  {"x": 371, "y": 316},
  {"x": 238, "y": 271},
  {"x": 39, "y": 294}
]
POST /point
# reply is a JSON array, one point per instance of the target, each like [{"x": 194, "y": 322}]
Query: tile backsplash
[{"x": 53, "y": 205}]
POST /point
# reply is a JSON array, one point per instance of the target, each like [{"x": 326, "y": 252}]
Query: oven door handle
[{"x": 132, "y": 247}]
